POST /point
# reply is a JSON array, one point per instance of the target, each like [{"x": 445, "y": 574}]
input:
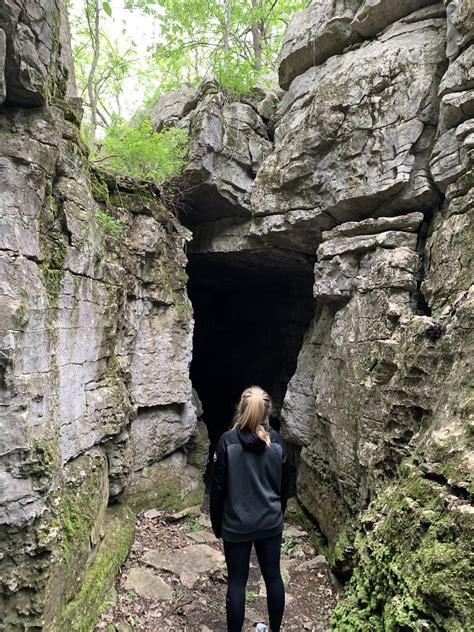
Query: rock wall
[
  {"x": 359, "y": 167},
  {"x": 370, "y": 177},
  {"x": 95, "y": 343},
  {"x": 380, "y": 400}
]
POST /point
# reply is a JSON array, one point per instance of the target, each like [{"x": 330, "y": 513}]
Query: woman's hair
[{"x": 252, "y": 412}]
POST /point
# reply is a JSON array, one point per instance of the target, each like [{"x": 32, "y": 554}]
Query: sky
[{"x": 142, "y": 29}]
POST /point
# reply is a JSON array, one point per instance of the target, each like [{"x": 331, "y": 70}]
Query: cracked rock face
[
  {"x": 322, "y": 30},
  {"x": 228, "y": 142},
  {"x": 362, "y": 170},
  {"x": 353, "y": 134},
  {"x": 95, "y": 337},
  {"x": 371, "y": 175}
]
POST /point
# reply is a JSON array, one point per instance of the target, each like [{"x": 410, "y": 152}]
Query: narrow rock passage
[{"x": 174, "y": 579}]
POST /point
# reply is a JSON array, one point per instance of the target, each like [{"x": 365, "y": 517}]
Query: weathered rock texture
[
  {"x": 361, "y": 172},
  {"x": 229, "y": 140},
  {"x": 370, "y": 177},
  {"x": 95, "y": 342},
  {"x": 380, "y": 402}
]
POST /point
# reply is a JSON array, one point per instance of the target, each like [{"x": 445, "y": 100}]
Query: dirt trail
[{"x": 174, "y": 579}]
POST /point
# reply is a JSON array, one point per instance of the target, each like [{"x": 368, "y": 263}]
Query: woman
[{"x": 248, "y": 499}]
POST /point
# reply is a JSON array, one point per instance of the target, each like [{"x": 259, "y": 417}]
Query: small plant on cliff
[
  {"x": 290, "y": 545},
  {"x": 139, "y": 152},
  {"x": 110, "y": 224},
  {"x": 193, "y": 525}
]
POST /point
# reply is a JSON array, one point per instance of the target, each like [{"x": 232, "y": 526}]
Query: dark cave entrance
[{"x": 251, "y": 313}]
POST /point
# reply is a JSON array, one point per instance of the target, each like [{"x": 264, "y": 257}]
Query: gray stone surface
[
  {"x": 202, "y": 537},
  {"x": 364, "y": 243},
  {"x": 314, "y": 34},
  {"x": 3, "y": 50},
  {"x": 32, "y": 37},
  {"x": 159, "y": 431},
  {"x": 189, "y": 563},
  {"x": 169, "y": 109},
  {"x": 374, "y": 15},
  {"x": 363, "y": 285},
  {"x": 146, "y": 584},
  {"x": 372, "y": 226},
  {"x": 460, "y": 74},
  {"x": 353, "y": 134},
  {"x": 370, "y": 173},
  {"x": 81, "y": 315},
  {"x": 229, "y": 140},
  {"x": 460, "y": 19}
]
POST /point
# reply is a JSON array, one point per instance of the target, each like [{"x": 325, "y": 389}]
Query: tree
[
  {"x": 236, "y": 40},
  {"x": 101, "y": 64}
]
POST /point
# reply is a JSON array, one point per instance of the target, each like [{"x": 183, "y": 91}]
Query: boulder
[
  {"x": 374, "y": 15},
  {"x": 353, "y": 135},
  {"x": 147, "y": 585},
  {"x": 314, "y": 34},
  {"x": 189, "y": 563}
]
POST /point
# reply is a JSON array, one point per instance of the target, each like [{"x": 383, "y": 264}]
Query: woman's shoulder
[
  {"x": 230, "y": 436},
  {"x": 276, "y": 437}
]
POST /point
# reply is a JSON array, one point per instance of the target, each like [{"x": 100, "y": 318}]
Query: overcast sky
[{"x": 142, "y": 29}]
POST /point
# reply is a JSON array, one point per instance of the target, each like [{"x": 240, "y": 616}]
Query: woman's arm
[
  {"x": 218, "y": 488},
  {"x": 285, "y": 478}
]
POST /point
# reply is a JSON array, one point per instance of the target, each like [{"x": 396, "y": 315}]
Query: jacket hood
[{"x": 250, "y": 441}]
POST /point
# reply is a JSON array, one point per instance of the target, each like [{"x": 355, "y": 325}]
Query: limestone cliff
[
  {"x": 350, "y": 184},
  {"x": 95, "y": 343},
  {"x": 370, "y": 177}
]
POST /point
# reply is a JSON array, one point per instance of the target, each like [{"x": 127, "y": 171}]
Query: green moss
[
  {"x": 166, "y": 488},
  {"x": 82, "y": 612},
  {"x": 70, "y": 112},
  {"x": 112, "y": 370},
  {"x": 99, "y": 187},
  {"x": 44, "y": 457},
  {"x": 52, "y": 283},
  {"x": 336, "y": 554},
  {"x": 413, "y": 563},
  {"x": 53, "y": 271}
]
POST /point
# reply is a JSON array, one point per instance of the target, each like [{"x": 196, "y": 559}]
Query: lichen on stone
[
  {"x": 413, "y": 561},
  {"x": 82, "y": 612}
]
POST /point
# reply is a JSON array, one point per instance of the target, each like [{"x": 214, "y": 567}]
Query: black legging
[{"x": 237, "y": 557}]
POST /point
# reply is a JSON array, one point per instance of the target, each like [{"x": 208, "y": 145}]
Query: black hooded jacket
[{"x": 250, "y": 486}]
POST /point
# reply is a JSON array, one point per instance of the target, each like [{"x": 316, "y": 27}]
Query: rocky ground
[{"x": 175, "y": 579}]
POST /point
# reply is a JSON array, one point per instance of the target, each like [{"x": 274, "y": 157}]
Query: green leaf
[{"x": 107, "y": 8}]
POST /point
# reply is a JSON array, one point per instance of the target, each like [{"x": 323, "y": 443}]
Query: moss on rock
[
  {"x": 414, "y": 561},
  {"x": 99, "y": 187},
  {"x": 166, "y": 486},
  {"x": 81, "y": 614},
  {"x": 77, "y": 522}
]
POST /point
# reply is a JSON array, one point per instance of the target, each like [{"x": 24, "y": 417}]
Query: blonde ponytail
[{"x": 252, "y": 412}]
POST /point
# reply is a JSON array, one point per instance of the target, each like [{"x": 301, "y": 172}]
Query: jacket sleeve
[
  {"x": 218, "y": 488},
  {"x": 285, "y": 477}
]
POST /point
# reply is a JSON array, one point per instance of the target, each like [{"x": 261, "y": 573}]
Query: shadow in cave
[{"x": 251, "y": 314}]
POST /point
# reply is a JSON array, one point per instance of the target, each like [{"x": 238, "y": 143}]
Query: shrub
[
  {"x": 139, "y": 152},
  {"x": 110, "y": 224}
]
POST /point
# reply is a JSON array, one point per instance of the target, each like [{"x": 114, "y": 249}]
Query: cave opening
[{"x": 251, "y": 313}]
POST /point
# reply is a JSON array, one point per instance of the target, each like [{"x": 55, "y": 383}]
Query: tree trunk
[
  {"x": 257, "y": 33},
  {"x": 93, "y": 21},
  {"x": 228, "y": 23}
]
